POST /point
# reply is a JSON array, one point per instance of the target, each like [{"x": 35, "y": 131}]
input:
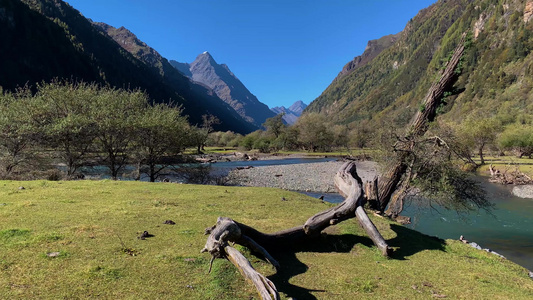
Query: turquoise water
[{"x": 507, "y": 229}]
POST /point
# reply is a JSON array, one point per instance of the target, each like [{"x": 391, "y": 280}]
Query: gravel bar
[{"x": 309, "y": 177}]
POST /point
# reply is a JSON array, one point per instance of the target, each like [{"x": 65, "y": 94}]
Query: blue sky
[{"x": 282, "y": 50}]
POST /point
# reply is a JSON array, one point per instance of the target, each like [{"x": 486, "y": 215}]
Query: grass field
[
  {"x": 91, "y": 228},
  {"x": 506, "y": 163}
]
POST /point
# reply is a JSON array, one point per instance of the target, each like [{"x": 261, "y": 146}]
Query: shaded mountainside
[
  {"x": 129, "y": 41},
  {"x": 292, "y": 113},
  {"x": 227, "y": 86},
  {"x": 46, "y": 39},
  {"x": 495, "y": 72}
]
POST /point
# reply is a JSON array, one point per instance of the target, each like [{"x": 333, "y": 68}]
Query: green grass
[
  {"x": 506, "y": 163},
  {"x": 94, "y": 225},
  {"x": 341, "y": 152}
]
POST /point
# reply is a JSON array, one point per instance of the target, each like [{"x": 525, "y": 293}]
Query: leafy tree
[
  {"x": 340, "y": 136},
  {"x": 159, "y": 130},
  {"x": 201, "y": 134},
  {"x": 115, "y": 113},
  {"x": 518, "y": 137},
  {"x": 65, "y": 121},
  {"x": 274, "y": 126},
  {"x": 313, "y": 132},
  {"x": 16, "y": 130},
  {"x": 479, "y": 132},
  {"x": 249, "y": 140}
]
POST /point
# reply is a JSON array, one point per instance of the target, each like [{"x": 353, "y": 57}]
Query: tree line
[
  {"x": 472, "y": 137},
  {"x": 76, "y": 124}
]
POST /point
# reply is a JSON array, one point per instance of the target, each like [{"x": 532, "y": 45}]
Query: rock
[
  {"x": 523, "y": 191},
  {"x": 475, "y": 245},
  {"x": 53, "y": 254},
  {"x": 145, "y": 235},
  {"x": 403, "y": 220}
]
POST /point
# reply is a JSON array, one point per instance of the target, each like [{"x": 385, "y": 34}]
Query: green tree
[
  {"x": 201, "y": 134},
  {"x": 16, "y": 130},
  {"x": 65, "y": 122},
  {"x": 519, "y": 138},
  {"x": 115, "y": 113},
  {"x": 159, "y": 131},
  {"x": 274, "y": 126},
  {"x": 479, "y": 132},
  {"x": 313, "y": 132}
]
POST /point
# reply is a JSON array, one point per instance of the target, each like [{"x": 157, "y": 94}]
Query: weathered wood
[
  {"x": 371, "y": 190},
  {"x": 515, "y": 177},
  {"x": 251, "y": 244},
  {"x": 349, "y": 185},
  {"x": 372, "y": 231},
  {"x": 418, "y": 127},
  {"x": 227, "y": 230},
  {"x": 265, "y": 287}
]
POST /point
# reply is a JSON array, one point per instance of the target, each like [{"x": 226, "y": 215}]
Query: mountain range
[
  {"x": 385, "y": 86},
  {"x": 47, "y": 39},
  {"x": 291, "y": 114},
  {"x": 205, "y": 70}
]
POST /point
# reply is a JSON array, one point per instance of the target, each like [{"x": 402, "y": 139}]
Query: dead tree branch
[{"x": 226, "y": 230}]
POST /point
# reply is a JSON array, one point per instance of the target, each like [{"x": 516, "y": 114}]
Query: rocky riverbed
[{"x": 310, "y": 177}]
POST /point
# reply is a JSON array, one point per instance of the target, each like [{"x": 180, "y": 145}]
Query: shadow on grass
[
  {"x": 407, "y": 242},
  {"x": 411, "y": 242},
  {"x": 291, "y": 266}
]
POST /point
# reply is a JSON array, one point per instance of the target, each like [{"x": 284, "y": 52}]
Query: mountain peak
[
  {"x": 292, "y": 113},
  {"x": 205, "y": 70}
]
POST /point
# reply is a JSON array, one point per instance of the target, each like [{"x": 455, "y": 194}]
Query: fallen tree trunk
[
  {"x": 227, "y": 230},
  {"x": 265, "y": 287}
]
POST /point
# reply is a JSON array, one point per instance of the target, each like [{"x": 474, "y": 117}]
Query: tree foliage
[{"x": 72, "y": 123}]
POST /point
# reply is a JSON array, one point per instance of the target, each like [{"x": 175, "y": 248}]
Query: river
[{"x": 507, "y": 229}]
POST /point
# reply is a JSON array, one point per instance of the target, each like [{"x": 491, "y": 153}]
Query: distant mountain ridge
[
  {"x": 292, "y": 113},
  {"x": 205, "y": 70},
  {"x": 47, "y": 39}
]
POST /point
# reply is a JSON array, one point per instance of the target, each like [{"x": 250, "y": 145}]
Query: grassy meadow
[{"x": 90, "y": 229}]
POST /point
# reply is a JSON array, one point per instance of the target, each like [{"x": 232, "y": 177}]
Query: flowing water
[{"x": 507, "y": 229}]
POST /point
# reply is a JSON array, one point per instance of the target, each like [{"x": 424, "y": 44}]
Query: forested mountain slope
[
  {"x": 495, "y": 74},
  {"x": 46, "y": 39}
]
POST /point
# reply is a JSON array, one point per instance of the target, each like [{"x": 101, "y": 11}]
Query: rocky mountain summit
[
  {"x": 292, "y": 113},
  {"x": 205, "y": 70}
]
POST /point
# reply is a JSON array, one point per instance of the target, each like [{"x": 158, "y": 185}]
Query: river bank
[
  {"x": 308, "y": 177},
  {"x": 507, "y": 229}
]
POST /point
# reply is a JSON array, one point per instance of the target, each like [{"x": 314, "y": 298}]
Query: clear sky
[{"x": 282, "y": 50}]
